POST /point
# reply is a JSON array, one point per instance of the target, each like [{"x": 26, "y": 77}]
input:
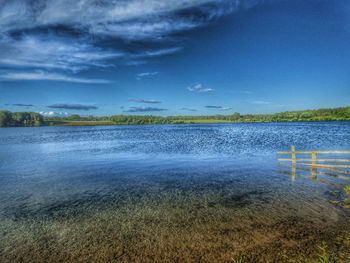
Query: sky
[{"x": 175, "y": 57}]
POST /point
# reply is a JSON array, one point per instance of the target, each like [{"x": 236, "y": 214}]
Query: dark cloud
[
  {"x": 144, "y": 109},
  {"x": 72, "y": 106},
  {"x": 213, "y": 107},
  {"x": 218, "y": 107},
  {"x": 188, "y": 109},
  {"x": 23, "y": 105},
  {"x": 145, "y": 101}
]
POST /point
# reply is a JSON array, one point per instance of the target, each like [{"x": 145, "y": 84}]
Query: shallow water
[{"x": 169, "y": 193}]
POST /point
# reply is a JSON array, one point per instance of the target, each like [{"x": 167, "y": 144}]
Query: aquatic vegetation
[
  {"x": 324, "y": 256},
  {"x": 347, "y": 189},
  {"x": 336, "y": 202},
  {"x": 239, "y": 260},
  {"x": 159, "y": 226}
]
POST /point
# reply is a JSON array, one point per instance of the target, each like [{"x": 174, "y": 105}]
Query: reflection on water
[
  {"x": 168, "y": 193},
  {"x": 335, "y": 179}
]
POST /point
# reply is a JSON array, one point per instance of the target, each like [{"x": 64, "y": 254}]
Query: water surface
[{"x": 169, "y": 193}]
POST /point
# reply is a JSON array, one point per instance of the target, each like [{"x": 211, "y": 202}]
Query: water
[{"x": 113, "y": 193}]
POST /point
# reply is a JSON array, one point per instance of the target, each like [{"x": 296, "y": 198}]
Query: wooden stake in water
[
  {"x": 314, "y": 158},
  {"x": 293, "y": 155},
  {"x": 314, "y": 162}
]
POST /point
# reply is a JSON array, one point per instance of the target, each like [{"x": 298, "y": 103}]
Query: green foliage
[
  {"x": 5, "y": 118},
  {"x": 323, "y": 256},
  {"x": 308, "y": 115},
  {"x": 8, "y": 119},
  {"x": 347, "y": 189},
  {"x": 18, "y": 119},
  {"x": 239, "y": 260}
]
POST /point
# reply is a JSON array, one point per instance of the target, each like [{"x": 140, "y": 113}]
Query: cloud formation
[
  {"x": 145, "y": 101},
  {"x": 144, "y": 109},
  {"x": 42, "y": 75},
  {"x": 22, "y": 105},
  {"x": 132, "y": 19},
  {"x": 199, "y": 88},
  {"x": 218, "y": 107},
  {"x": 53, "y": 113},
  {"x": 145, "y": 74},
  {"x": 68, "y": 106},
  {"x": 72, "y": 35},
  {"x": 52, "y": 52}
]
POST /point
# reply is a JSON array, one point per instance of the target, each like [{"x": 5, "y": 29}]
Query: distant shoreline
[
  {"x": 30, "y": 119},
  {"x": 105, "y": 123}
]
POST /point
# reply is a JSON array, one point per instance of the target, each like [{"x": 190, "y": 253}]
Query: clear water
[{"x": 59, "y": 173}]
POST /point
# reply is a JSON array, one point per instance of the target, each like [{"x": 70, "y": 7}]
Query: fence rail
[
  {"x": 318, "y": 152},
  {"x": 320, "y": 163}
]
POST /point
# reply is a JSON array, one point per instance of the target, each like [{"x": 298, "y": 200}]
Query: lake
[{"x": 170, "y": 193}]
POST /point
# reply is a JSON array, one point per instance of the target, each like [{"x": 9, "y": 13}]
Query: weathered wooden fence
[{"x": 334, "y": 164}]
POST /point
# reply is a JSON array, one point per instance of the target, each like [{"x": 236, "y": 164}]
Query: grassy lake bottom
[{"x": 170, "y": 193}]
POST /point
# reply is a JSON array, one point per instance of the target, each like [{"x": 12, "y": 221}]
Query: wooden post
[
  {"x": 314, "y": 158},
  {"x": 314, "y": 162},
  {"x": 294, "y": 172},
  {"x": 293, "y": 155}
]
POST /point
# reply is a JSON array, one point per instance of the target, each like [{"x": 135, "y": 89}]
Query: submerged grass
[
  {"x": 172, "y": 230},
  {"x": 347, "y": 189},
  {"x": 174, "y": 220},
  {"x": 324, "y": 256},
  {"x": 239, "y": 260}
]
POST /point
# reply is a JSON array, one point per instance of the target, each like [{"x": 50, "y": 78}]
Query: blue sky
[{"x": 184, "y": 57}]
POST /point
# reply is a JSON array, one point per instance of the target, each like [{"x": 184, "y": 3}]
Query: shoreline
[
  {"x": 109, "y": 123},
  {"x": 30, "y": 119},
  {"x": 106, "y": 123}
]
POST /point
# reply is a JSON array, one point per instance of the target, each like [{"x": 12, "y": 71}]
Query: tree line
[
  {"x": 20, "y": 119},
  {"x": 31, "y": 119},
  {"x": 335, "y": 114}
]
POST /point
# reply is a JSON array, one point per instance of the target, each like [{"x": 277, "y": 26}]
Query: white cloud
[
  {"x": 138, "y": 30},
  {"x": 41, "y": 75},
  {"x": 66, "y": 35},
  {"x": 53, "y": 113},
  {"x": 54, "y": 53},
  {"x": 199, "y": 88},
  {"x": 158, "y": 52},
  {"x": 146, "y": 74},
  {"x": 58, "y": 53},
  {"x": 106, "y": 15}
]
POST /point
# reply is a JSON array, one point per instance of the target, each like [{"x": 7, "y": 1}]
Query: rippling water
[{"x": 219, "y": 185}]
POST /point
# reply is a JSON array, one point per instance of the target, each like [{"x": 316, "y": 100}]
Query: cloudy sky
[{"x": 171, "y": 57}]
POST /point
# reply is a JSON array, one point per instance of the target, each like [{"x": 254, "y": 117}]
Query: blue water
[
  {"x": 225, "y": 177},
  {"x": 41, "y": 166}
]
